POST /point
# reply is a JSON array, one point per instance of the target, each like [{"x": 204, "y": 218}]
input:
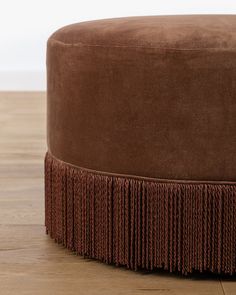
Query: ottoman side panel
[{"x": 150, "y": 112}]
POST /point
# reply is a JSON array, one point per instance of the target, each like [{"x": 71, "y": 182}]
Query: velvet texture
[
  {"x": 149, "y": 96},
  {"x": 151, "y": 99}
]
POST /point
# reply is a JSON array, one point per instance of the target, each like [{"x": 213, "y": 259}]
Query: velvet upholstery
[
  {"x": 141, "y": 123},
  {"x": 147, "y": 96}
]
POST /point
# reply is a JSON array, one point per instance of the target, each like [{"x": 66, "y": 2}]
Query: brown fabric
[
  {"x": 146, "y": 96},
  {"x": 141, "y": 224},
  {"x": 142, "y": 100}
]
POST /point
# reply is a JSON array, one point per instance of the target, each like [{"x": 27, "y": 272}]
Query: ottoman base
[{"x": 142, "y": 223}]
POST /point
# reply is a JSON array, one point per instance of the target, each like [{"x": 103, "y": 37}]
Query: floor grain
[{"x": 30, "y": 262}]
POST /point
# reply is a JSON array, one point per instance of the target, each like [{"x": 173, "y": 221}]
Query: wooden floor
[{"x": 30, "y": 262}]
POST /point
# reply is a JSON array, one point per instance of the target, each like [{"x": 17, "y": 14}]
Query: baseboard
[{"x": 22, "y": 80}]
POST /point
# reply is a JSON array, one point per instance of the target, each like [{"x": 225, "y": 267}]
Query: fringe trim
[{"x": 141, "y": 224}]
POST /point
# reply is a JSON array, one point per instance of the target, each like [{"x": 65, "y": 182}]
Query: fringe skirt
[{"x": 141, "y": 223}]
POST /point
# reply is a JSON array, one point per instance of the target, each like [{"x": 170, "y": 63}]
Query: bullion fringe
[{"x": 141, "y": 224}]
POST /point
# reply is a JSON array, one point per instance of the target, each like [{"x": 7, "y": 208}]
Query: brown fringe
[{"x": 141, "y": 223}]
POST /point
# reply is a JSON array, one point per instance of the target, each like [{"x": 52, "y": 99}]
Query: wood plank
[
  {"x": 33, "y": 264},
  {"x": 22, "y": 170},
  {"x": 229, "y": 285},
  {"x": 21, "y": 201}
]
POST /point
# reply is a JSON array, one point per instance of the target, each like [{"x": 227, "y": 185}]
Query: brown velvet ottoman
[{"x": 141, "y": 162}]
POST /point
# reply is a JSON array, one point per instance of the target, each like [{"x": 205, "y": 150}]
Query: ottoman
[{"x": 141, "y": 129}]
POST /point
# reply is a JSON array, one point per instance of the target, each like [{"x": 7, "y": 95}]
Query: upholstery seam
[
  {"x": 81, "y": 44},
  {"x": 145, "y": 178}
]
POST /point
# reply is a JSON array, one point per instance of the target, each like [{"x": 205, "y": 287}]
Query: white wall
[{"x": 25, "y": 26}]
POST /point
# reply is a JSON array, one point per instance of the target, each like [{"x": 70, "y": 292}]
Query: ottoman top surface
[{"x": 188, "y": 32}]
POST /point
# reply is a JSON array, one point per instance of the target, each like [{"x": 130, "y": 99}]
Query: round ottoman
[{"x": 141, "y": 125}]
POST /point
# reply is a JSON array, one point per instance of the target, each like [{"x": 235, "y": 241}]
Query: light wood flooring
[{"x": 30, "y": 262}]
